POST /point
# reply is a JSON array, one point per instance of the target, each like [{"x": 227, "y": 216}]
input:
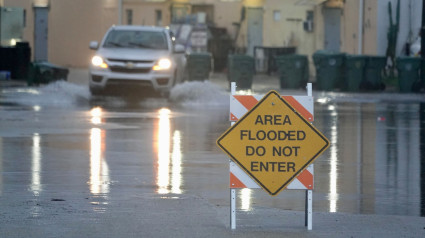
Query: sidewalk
[
  {"x": 12, "y": 83},
  {"x": 262, "y": 83},
  {"x": 80, "y": 76},
  {"x": 76, "y": 75}
]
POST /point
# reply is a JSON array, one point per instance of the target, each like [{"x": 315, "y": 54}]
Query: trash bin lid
[
  {"x": 408, "y": 63},
  {"x": 376, "y": 61}
]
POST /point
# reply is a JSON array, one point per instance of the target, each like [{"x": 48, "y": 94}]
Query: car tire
[{"x": 175, "y": 78}]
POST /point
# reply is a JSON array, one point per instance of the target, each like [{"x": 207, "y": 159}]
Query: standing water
[{"x": 57, "y": 139}]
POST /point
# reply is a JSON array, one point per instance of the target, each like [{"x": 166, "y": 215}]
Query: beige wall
[
  {"x": 370, "y": 27},
  {"x": 319, "y": 26},
  {"x": 225, "y": 13},
  {"x": 254, "y": 3},
  {"x": 144, "y": 12},
  {"x": 289, "y": 29},
  {"x": 73, "y": 24},
  {"x": 349, "y": 27},
  {"x": 71, "y": 27}
]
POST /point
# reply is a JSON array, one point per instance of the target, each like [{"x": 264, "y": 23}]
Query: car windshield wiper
[{"x": 140, "y": 45}]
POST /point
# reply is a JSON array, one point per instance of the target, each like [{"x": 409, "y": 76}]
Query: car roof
[{"x": 140, "y": 28}]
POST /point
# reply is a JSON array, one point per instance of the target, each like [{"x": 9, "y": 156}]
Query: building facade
[{"x": 59, "y": 31}]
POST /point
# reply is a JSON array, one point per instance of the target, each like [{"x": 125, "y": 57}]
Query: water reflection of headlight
[
  {"x": 176, "y": 156},
  {"x": 168, "y": 163},
  {"x": 333, "y": 173},
  {"x": 36, "y": 164},
  {"x": 99, "y": 170},
  {"x": 245, "y": 195},
  {"x": 163, "y": 151}
]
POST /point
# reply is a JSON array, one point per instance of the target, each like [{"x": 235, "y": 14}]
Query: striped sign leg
[
  {"x": 232, "y": 190},
  {"x": 309, "y": 209},
  {"x": 233, "y": 208}
]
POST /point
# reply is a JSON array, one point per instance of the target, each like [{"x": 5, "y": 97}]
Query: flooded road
[{"x": 57, "y": 143}]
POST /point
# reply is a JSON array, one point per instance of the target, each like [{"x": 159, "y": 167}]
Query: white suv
[{"x": 141, "y": 57}]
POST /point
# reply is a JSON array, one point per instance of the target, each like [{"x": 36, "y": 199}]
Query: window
[
  {"x": 158, "y": 17},
  {"x": 25, "y": 18},
  {"x": 276, "y": 15},
  {"x": 129, "y": 16}
]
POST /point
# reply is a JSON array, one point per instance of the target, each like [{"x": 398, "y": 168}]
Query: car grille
[
  {"x": 130, "y": 70},
  {"x": 96, "y": 78},
  {"x": 131, "y": 61},
  {"x": 128, "y": 82}
]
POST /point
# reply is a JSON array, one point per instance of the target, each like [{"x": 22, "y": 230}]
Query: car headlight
[
  {"x": 98, "y": 61},
  {"x": 162, "y": 64}
]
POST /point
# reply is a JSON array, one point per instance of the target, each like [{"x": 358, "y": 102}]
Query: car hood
[{"x": 132, "y": 53}]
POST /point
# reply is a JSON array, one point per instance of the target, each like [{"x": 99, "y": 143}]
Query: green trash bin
[
  {"x": 198, "y": 66},
  {"x": 354, "y": 72},
  {"x": 42, "y": 72},
  {"x": 293, "y": 70},
  {"x": 408, "y": 73},
  {"x": 329, "y": 69},
  {"x": 241, "y": 69},
  {"x": 374, "y": 70}
]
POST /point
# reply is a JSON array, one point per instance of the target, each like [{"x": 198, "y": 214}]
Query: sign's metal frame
[{"x": 308, "y": 194}]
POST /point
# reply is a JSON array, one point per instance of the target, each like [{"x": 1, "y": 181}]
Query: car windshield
[{"x": 136, "y": 39}]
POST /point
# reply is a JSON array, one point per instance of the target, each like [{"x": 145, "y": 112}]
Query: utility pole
[
  {"x": 423, "y": 46},
  {"x": 423, "y": 32}
]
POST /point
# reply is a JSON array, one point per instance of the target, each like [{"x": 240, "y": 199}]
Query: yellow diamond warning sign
[{"x": 273, "y": 143}]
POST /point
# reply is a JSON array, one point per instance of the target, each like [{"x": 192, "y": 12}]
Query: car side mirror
[
  {"x": 94, "y": 45},
  {"x": 179, "y": 49}
]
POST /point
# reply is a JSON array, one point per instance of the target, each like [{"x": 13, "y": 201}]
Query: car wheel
[{"x": 175, "y": 78}]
